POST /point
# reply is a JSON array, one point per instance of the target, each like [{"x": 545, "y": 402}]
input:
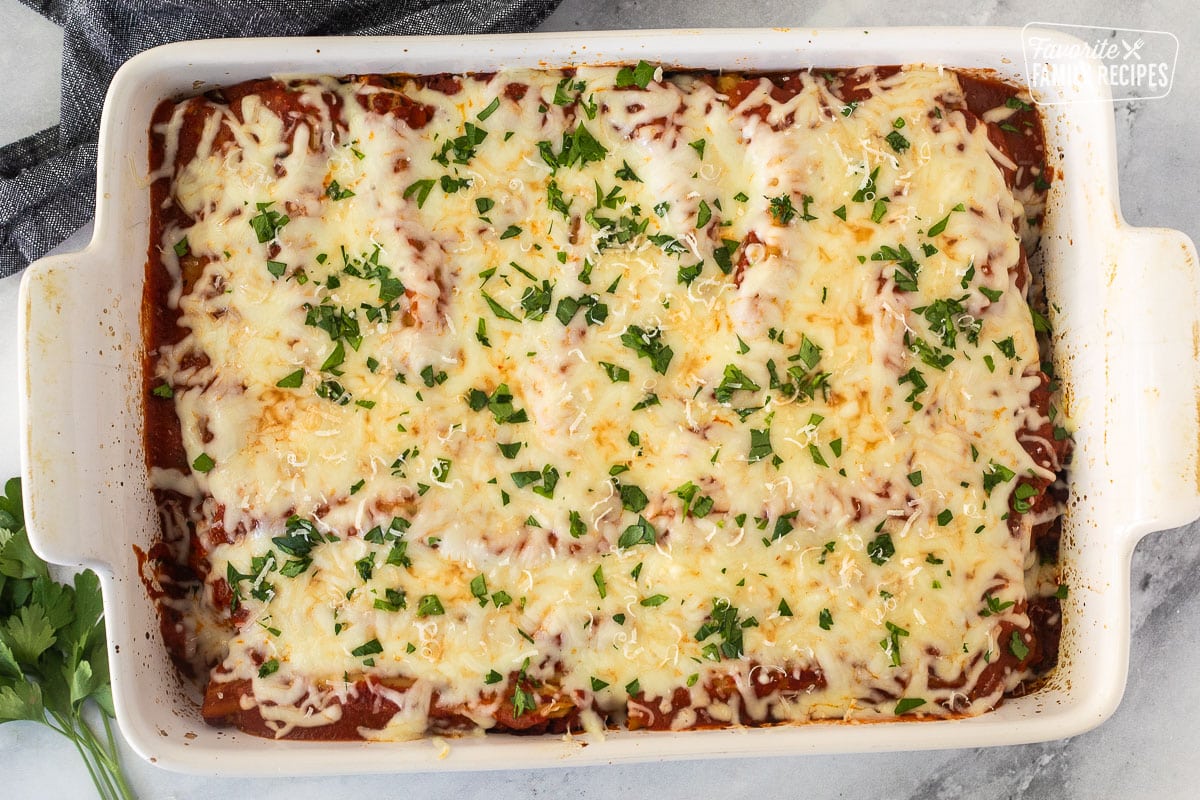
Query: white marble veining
[{"x": 1148, "y": 749}]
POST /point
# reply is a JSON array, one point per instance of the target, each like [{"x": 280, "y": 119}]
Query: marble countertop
[{"x": 1148, "y": 748}]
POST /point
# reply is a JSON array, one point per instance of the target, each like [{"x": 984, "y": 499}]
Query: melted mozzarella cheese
[{"x": 573, "y": 561}]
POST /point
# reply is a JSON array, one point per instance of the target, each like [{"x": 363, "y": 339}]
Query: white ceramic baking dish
[{"x": 1127, "y": 341}]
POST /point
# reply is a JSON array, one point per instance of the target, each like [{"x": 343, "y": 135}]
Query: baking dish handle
[
  {"x": 1156, "y": 283},
  {"x": 77, "y": 357}
]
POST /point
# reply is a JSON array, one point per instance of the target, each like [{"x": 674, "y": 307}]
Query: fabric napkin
[{"x": 48, "y": 180}]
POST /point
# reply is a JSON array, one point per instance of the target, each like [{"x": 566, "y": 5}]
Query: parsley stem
[
  {"x": 66, "y": 730},
  {"x": 101, "y": 762}
]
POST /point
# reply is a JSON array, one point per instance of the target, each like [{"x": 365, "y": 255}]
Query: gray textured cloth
[{"x": 48, "y": 180}]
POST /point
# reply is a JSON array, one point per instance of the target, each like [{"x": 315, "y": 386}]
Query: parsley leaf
[
  {"x": 639, "y": 76},
  {"x": 648, "y": 344},
  {"x": 760, "y": 445},
  {"x": 53, "y": 656},
  {"x": 641, "y": 532},
  {"x": 267, "y": 223},
  {"x": 881, "y": 549},
  {"x": 734, "y": 380},
  {"x": 724, "y": 624}
]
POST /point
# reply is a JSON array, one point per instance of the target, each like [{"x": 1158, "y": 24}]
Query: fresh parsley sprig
[{"x": 53, "y": 655}]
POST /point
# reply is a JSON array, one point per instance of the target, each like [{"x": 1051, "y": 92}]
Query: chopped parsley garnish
[
  {"x": 734, "y": 380},
  {"x": 760, "y": 445},
  {"x": 334, "y": 392},
  {"x": 723, "y": 255},
  {"x": 632, "y": 498},
  {"x": 203, "y": 463},
  {"x": 526, "y": 477},
  {"x": 626, "y": 173},
  {"x": 906, "y": 704},
  {"x": 430, "y": 605},
  {"x": 393, "y": 600},
  {"x": 806, "y": 200},
  {"x": 650, "y": 399},
  {"x": 1040, "y": 323},
  {"x": 724, "y": 624},
  {"x": 932, "y": 356},
  {"x": 891, "y": 644},
  {"x": 782, "y": 210},
  {"x": 938, "y": 227},
  {"x": 995, "y": 475},
  {"x": 881, "y": 549},
  {"x": 1017, "y": 646},
  {"x": 431, "y": 378},
  {"x": 461, "y": 149},
  {"x": 994, "y": 606},
  {"x": 370, "y": 648},
  {"x": 639, "y": 76},
  {"x": 686, "y": 275},
  {"x": 365, "y": 567},
  {"x": 825, "y": 619},
  {"x": 694, "y": 503},
  {"x": 523, "y": 700},
  {"x": 948, "y": 317},
  {"x": 641, "y": 532},
  {"x": 451, "y": 185},
  {"x": 536, "y": 301},
  {"x": 601, "y": 585},
  {"x": 879, "y": 209},
  {"x": 440, "y": 471},
  {"x": 335, "y": 191},
  {"x": 489, "y": 109},
  {"x": 1021, "y": 497},
  {"x": 897, "y": 141},
  {"x": 420, "y": 190},
  {"x": 784, "y": 524},
  {"x": 615, "y": 373},
  {"x": 815, "y": 453},
  {"x": 578, "y": 147},
  {"x": 917, "y": 380},
  {"x": 648, "y": 344},
  {"x": 267, "y": 223},
  {"x": 567, "y": 307},
  {"x": 907, "y": 268},
  {"x": 499, "y": 310},
  {"x": 866, "y": 193}
]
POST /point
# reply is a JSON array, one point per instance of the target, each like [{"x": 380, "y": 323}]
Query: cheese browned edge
[{"x": 786, "y": 447}]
